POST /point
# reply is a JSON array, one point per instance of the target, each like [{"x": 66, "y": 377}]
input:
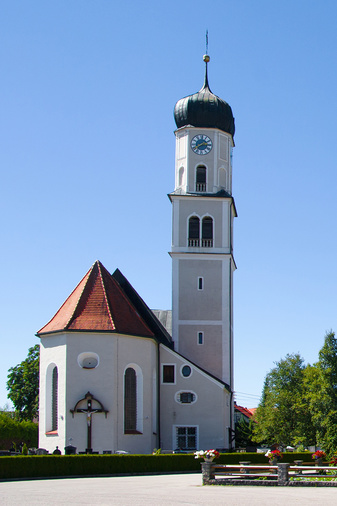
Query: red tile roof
[
  {"x": 98, "y": 303},
  {"x": 245, "y": 411}
]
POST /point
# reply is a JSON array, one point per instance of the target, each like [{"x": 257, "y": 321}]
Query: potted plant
[
  {"x": 208, "y": 455},
  {"x": 273, "y": 456},
  {"x": 318, "y": 456}
]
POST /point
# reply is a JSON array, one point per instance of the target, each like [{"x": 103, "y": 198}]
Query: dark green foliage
[
  {"x": 321, "y": 385},
  {"x": 94, "y": 465},
  {"x": 299, "y": 403},
  {"x": 13, "y": 431},
  {"x": 41, "y": 466},
  {"x": 23, "y": 385},
  {"x": 244, "y": 433},
  {"x": 282, "y": 416}
]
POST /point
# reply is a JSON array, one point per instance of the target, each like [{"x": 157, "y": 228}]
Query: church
[{"x": 116, "y": 376}]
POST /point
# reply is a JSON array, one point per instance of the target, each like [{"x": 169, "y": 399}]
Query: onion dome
[{"x": 204, "y": 109}]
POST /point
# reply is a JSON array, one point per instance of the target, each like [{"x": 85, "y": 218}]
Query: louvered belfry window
[
  {"x": 54, "y": 398},
  {"x": 194, "y": 231},
  {"x": 201, "y": 179},
  {"x": 130, "y": 400},
  {"x": 207, "y": 232}
]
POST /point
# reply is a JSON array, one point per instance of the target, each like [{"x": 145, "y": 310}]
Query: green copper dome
[{"x": 204, "y": 109}]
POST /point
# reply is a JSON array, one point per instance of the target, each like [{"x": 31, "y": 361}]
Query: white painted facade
[
  {"x": 209, "y": 414},
  {"x": 184, "y": 384},
  {"x": 207, "y": 310},
  {"x": 106, "y": 382}
]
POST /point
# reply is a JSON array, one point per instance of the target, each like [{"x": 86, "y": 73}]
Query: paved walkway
[{"x": 158, "y": 490}]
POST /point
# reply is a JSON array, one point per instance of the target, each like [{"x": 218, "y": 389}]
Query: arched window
[
  {"x": 200, "y": 185},
  {"x": 130, "y": 401},
  {"x": 194, "y": 231},
  {"x": 54, "y": 395},
  {"x": 207, "y": 232},
  {"x": 51, "y": 399}
]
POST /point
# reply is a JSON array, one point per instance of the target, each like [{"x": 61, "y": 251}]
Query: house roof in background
[{"x": 244, "y": 411}]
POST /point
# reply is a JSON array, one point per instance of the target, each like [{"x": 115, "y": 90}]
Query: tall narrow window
[
  {"x": 130, "y": 400},
  {"x": 207, "y": 232},
  {"x": 54, "y": 399},
  {"x": 200, "y": 338},
  {"x": 194, "y": 231},
  {"x": 200, "y": 185},
  {"x": 200, "y": 283}
]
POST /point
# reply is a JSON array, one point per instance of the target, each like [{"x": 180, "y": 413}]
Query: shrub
[{"x": 13, "y": 431}]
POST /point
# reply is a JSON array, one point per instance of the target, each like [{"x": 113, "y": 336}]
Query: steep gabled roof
[
  {"x": 147, "y": 314},
  {"x": 99, "y": 303}
]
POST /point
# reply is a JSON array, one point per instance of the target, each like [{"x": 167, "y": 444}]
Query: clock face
[{"x": 201, "y": 144}]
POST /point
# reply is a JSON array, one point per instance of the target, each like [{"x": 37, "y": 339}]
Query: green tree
[
  {"x": 14, "y": 432},
  {"x": 282, "y": 416},
  {"x": 23, "y": 385},
  {"x": 321, "y": 394},
  {"x": 244, "y": 433}
]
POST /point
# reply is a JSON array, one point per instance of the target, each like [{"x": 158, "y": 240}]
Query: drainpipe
[
  {"x": 158, "y": 396},
  {"x": 230, "y": 354}
]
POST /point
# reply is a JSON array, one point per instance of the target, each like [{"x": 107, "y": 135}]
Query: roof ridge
[
  {"x": 89, "y": 273},
  {"x": 69, "y": 296},
  {"x": 105, "y": 295}
]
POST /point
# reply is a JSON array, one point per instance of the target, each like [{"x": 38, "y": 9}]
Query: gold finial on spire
[{"x": 206, "y": 57}]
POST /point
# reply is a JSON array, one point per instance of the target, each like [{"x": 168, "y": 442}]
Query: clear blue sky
[{"x": 87, "y": 92}]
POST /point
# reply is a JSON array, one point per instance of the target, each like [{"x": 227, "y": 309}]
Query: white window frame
[
  {"x": 139, "y": 393},
  {"x": 181, "y": 371},
  {"x": 177, "y": 395},
  {"x": 175, "y": 435}
]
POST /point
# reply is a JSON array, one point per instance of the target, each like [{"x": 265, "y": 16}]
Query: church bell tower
[{"x": 202, "y": 232}]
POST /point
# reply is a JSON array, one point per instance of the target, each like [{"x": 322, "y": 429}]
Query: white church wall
[
  {"x": 216, "y": 158},
  {"x": 142, "y": 352},
  {"x": 52, "y": 353},
  {"x": 106, "y": 383},
  {"x": 98, "y": 381},
  {"x": 209, "y": 414},
  {"x": 194, "y": 303},
  {"x": 184, "y": 208}
]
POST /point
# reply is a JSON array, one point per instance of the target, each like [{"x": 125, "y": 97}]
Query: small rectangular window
[
  {"x": 200, "y": 283},
  {"x": 200, "y": 338},
  {"x": 168, "y": 374},
  {"x": 186, "y": 438}
]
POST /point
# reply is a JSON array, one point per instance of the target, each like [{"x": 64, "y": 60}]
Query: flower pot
[
  {"x": 208, "y": 459},
  {"x": 319, "y": 462}
]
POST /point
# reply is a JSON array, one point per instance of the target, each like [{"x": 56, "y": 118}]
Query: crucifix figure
[{"x": 88, "y": 409}]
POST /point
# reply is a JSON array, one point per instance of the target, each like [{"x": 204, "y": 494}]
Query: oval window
[
  {"x": 183, "y": 397},
  {"x": 186, "y": 371}
]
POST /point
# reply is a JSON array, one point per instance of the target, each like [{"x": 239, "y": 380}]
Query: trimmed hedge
[{"x": 42, "y": 466}]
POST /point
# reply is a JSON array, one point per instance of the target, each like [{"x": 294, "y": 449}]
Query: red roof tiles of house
[
  {"x": 98, "y": 303},
  {"x": 245, "y": 411}
]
